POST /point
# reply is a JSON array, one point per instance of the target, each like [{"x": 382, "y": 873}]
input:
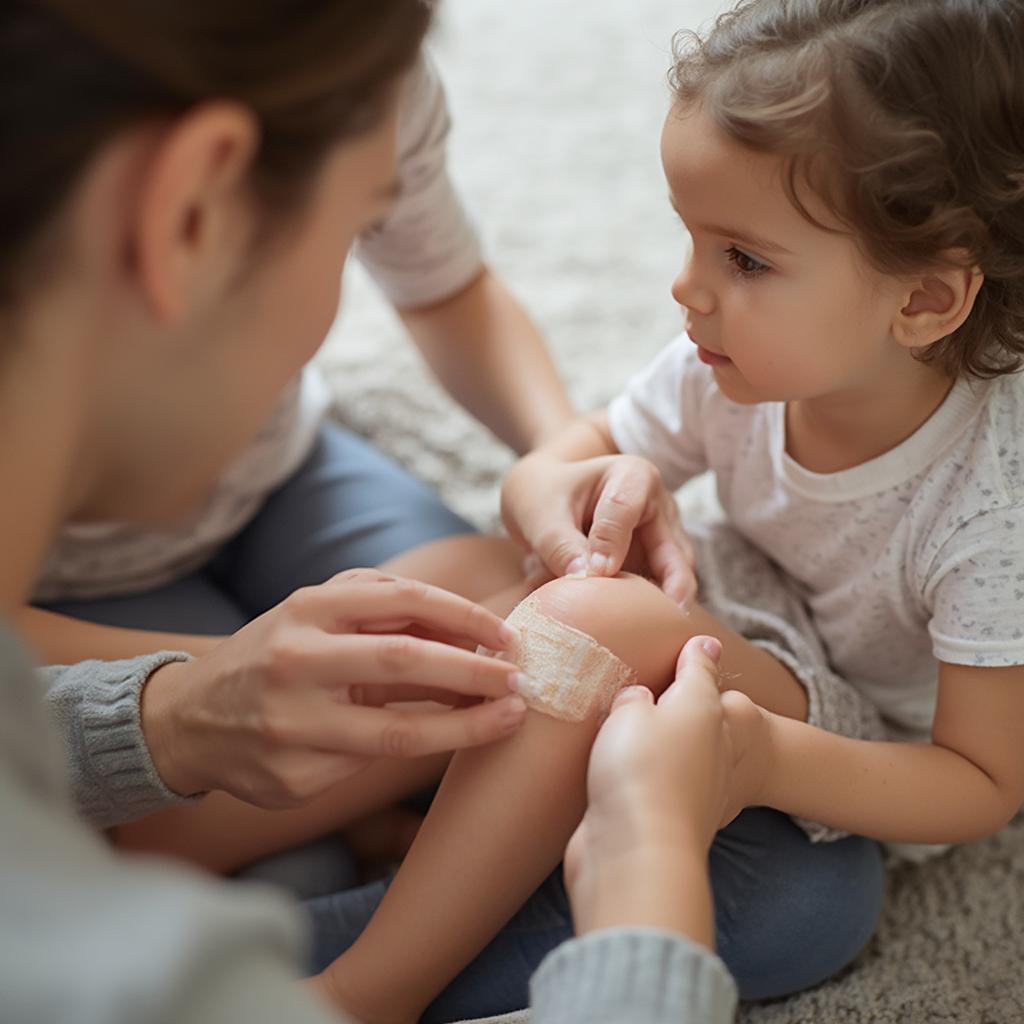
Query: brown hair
[
  {"x": 907, "y": 118},
  {"x": 75, "y": 72}
]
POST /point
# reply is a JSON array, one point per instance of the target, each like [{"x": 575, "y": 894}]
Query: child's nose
[{"x": 688, "y": 291}]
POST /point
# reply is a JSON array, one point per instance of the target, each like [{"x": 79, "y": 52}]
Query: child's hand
[
  {"x": 663, "y": 778},
  {"x": 589, "y": 515}
]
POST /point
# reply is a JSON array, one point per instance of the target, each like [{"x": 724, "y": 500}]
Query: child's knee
[{"x": 626, "y": 614}]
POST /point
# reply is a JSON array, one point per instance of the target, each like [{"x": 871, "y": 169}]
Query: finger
[
  {"x": 619, "y": 509},
  {"x": 696, "y": 673},
  {"x": 388, "y": 732},
  {"x": 414, "y": 603},
  {"x": 339, "y": 662},
  {"x": 377, "y": 695},
  {"x": 532, "y": 565},
  {"x": 361, "y": 576},
  {"x": 562, "y": 547},
  {"x": 631, "y": 694},
  {"x": 575, "y": 852},
  {"x": 535, "y": 572},
  {"x": 669, "y": 561}
]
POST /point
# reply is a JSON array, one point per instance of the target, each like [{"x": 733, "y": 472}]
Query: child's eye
[{"x": 746, "y": 265}]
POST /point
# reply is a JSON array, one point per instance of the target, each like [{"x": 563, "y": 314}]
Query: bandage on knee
[{"x": 572, "y": 676}]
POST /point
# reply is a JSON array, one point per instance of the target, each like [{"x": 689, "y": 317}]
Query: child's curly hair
[{"x": 907, "y": 118}]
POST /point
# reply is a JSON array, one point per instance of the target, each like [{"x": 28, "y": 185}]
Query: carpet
[{"x": 557, "y": 112}]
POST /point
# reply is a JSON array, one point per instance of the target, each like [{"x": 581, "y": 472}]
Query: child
[{"x": 852, "y": 175}]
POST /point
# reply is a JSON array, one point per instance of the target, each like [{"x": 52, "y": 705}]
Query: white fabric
[
  {"x": 914, "y": 556},
  {"x": 424, "y": 250}
]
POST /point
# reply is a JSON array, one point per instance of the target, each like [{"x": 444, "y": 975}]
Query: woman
[{"x": 178, "y": 190}]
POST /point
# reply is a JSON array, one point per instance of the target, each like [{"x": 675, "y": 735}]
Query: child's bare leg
[
  {"x": 504, "y": 813},
  {"x": 223, "y": 834},
  {"x": 475, "y": 567}
]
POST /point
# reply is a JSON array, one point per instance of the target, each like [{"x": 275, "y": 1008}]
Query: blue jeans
[
  {"x": 346, "y": 506},
  {"x": 788, "y": 914}
]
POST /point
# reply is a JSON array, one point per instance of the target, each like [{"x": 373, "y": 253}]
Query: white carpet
[{"x": 558, "y": 108}]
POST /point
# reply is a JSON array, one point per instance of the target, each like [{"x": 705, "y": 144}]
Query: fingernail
[
  {"x": 600, "y": 564},
  {"x": 712, "y": 648},
  {"x": 514, "y": 709},
  {"x": 625, "y": 695},
  {"x": 520, "y": 682},
  {"x": 509, "y": 635},
  {"x": 577, "y": 567}
]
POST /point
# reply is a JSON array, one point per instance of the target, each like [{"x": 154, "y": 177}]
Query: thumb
[
  {"x": 563, "y": 549},
  {"x": 696, "y": 671},
  {"x": 630, "y": 694}
]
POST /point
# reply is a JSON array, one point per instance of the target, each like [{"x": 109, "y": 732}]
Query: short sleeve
[
  {"x": 426, "y": 249},
  {"x": 659, "y": 415},
  {"x": 976, "y": 592}
]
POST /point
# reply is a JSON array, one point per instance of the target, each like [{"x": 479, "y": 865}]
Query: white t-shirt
[
  {"x": 912, "y": 557},
  {"x": 424, "y": 251}
]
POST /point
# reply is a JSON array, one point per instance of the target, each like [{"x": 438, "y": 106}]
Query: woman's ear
[
  {"x": 935, "y": 305},
  {"x": 190, "y": 198}
]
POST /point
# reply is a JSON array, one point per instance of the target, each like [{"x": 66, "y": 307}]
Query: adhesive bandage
[{"x": 571, "y": 676}]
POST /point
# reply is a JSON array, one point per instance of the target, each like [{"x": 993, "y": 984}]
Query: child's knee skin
[{"x": 628, "y": 615}]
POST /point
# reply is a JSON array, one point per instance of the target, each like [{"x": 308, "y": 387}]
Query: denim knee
[{"x": 791, "y": 913}]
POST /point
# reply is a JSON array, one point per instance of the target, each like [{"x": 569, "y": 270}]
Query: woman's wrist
[
  {"x": 655, "y": 886},
  {"x": 164, "y": 730}
]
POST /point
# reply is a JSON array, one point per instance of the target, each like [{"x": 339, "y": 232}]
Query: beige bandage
[{"x": 571, "y": 676}]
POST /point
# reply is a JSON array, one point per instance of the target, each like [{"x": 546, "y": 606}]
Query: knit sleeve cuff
[
  {"x": 96, "y": 705},
  {"x": 636, "y": 974}
]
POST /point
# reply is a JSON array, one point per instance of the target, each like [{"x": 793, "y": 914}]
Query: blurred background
[{"x": 557, "y": 111}]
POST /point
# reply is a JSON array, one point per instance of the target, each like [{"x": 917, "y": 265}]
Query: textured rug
[{"x": 557, "y": 114}]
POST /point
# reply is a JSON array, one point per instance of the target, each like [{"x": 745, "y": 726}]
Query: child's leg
[
  {"x": 474, "y": 567},
  {"x": 504, "y": 813},
  {"x": 223, "y": 834}
]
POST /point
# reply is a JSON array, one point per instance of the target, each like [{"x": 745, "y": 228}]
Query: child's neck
[{"x": 837, "y": 432}]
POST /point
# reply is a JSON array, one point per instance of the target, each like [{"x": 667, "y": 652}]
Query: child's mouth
[{"x": 712, "y": 358}]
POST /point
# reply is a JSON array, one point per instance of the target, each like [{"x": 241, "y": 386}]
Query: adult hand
[
  {"x": 663, "y": 778},
  {"x": 298, "y": 699},
  {"x": 599, "y": 515}
]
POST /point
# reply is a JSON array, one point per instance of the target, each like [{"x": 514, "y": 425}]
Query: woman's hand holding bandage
[
  {"x": 295, "y": 701},
  {"x": 580, "y": 506}
]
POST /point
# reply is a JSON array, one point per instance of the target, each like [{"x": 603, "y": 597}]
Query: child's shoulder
[
  {"x": 994, "y": 451},
  {"x": 979, "y": 476}
]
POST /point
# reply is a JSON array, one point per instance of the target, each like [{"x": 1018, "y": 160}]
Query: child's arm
[
  {"x": 503, "y": 815},
  {"x": 965, "y": 785}
]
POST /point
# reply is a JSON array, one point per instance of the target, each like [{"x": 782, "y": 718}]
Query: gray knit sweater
[{"x": 90, "y": 937}]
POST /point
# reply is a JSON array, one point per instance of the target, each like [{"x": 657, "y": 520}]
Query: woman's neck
[
  {"x": 828, "y": 435},
  {"x": 43, "y": 392}
]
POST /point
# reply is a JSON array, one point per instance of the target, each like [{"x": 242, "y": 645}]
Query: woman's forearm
[
  {"x": 895, "y": 792},
  {"x": 489, "y": 356},
  {"x": 62, "y": 640},
  {"x": 654, "y": 886}
]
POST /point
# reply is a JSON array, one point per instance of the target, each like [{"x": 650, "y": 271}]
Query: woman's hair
[
  {"x": 907, "y": 118},
  {"x": 76, "y": 72}
]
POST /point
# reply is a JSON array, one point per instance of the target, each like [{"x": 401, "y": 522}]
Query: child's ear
[{"x": 936, "y": 305}]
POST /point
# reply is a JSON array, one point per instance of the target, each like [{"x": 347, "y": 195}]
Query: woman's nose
[{"x": 689, "y": 292}]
